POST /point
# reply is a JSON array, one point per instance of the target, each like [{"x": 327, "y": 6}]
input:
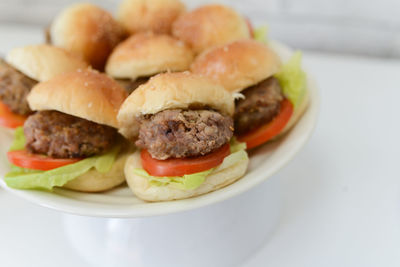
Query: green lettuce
[
  {"x": 192, "y": 181},
  {"x": 231, "y": 160},
  {"x": 293, "y": 79},
  {"x": 23, "y": 178},
  {"x": 260, "y": 34},
  {"x": 19, "y": 139},
  {"x": 236, "y": 146}
]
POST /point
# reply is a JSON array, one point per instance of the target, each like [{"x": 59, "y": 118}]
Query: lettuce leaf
[
  {"x": 260, "y": 34},
  {"x": 293, "y": 79},
  {"x": 22, "y": 178},
  {"x": 105, "y": 161},
  {"x": 19, "y": 139},
  {"x": 236, "y": 146},
  {"x": 231, "y": 160},
  {"x": 48, "y": 179},
  {"x": 192, "y": 181}
]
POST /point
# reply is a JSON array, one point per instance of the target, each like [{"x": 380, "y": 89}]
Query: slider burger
[
  {"x": 209, "y": 26},
  {"x": 273, "y": 96},
  {"x": 182, "y": 124},
  {"x": 145, "y": 54},
  {"x": 149, "y": 15},
  {"x": 88, "y": 31},
  {"x": 24, "y": 68},
  {"x": 71, "y": 141}
]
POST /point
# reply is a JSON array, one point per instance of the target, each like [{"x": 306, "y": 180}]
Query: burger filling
[
  {"x": 60, "y": 135},
  {"x": 14, "y": 88},
  {"x": 184, "y": 133},
  {"x": 260, "y": 105},
  {"x": 131, "y": 85},
  {"x": 47, "y": 35}
]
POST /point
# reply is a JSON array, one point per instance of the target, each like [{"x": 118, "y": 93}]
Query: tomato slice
[
  {"x": 251, "y": 28},
  {"x": 24, "y": 159},
  {"x": 264, "y": 133},
  {"x": 9, "y": 119},
  {"x": 180, "y": 167}
]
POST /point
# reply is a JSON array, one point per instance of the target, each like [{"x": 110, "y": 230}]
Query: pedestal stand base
[{"x": 224, "y": 234}]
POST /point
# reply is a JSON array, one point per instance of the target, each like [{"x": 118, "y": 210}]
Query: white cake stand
[
  {"x": 223, "y": 234},
  {"x": 236, "y": 221}
]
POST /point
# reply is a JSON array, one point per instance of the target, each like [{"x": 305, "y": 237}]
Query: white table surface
[{"x": 341, "y": 192}]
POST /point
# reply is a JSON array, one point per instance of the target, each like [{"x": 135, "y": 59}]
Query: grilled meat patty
[
  {"x": 260, "y": 105},
  {"x": 179, "y": 133},
  {"x": 14, "y": 88},
  {"x": 60, "y": 135}
]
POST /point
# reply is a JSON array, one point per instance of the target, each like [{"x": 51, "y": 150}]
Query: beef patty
[
  {"x": 178, "y": 133},
  {"x": 60, "y": 135},
  {"x": 260, "y": 105},
  {"x": 14, "y": 88}
]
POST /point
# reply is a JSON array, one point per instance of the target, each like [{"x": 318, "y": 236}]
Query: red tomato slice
[
  {"x": 24, "y": 159},
  {"x": 9, "y": 119},
  {"x": 264, "y": 133},
  {"x": 251, "y": 28},
  {"x": 180, "y": 167}
]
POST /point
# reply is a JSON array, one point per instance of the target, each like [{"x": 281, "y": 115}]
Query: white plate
[{"x": 121, "y": 202}]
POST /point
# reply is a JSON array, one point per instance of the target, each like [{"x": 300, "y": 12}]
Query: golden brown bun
[
  {"x": 238, "y": 65},
  {"x": 149, "y": 15},
  {"x": 86, "y": 94},
  {"x": 94, "y": 181},
  {"x": 88, "y": 31},
  {"x": 168, "y": 91},
  {"x": 43, "y": 62},
  {"x": 215, "y": 180},
  {"x": 209, "y": 26},
  {"x": 146, "y": 54}
]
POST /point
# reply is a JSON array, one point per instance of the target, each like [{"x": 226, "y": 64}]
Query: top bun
[
  {"x": 209, "y": 26},
  {"x": 146, "y": 54},
  {"x": 179, "y": 90},
  {"x": 149, "y": 15},
  {"x": 43, "y": 62},
  {"x": 85, "y": 94},
  {"x": 88, "y": 31},
  {"x": 238, "y": 65}
]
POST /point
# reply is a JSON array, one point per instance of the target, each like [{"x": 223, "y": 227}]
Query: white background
[
  {"x": 341, "y": 193},
  {"x": 370, "y": 27}
]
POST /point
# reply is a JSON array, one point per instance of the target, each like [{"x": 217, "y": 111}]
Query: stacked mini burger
[
  {"x": 24, "y": 68},
  {"x": 182, "y": 124},
  {"x": 273, "y": 96},
  {"x": 87, "y": 31},
  {"x": 154, "y": 16},
  {"x": 209, "y": 26},
  {"x": 145, "y": 54},
  {"x": 150, "y": 50},
  {"x": 71, "y": 141}
]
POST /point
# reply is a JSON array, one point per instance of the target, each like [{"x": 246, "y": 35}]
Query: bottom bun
[
  {"x": 215, "y": 180},
  {"x": 94, "y": 181}
]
